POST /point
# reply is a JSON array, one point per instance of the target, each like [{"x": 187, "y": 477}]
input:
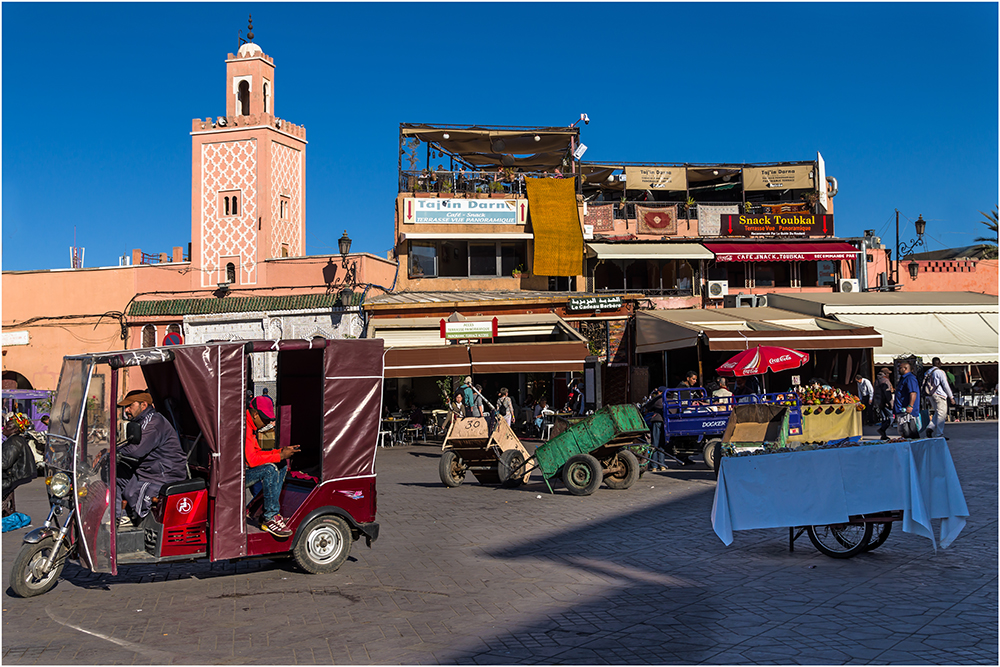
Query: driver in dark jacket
[{"x": 161, "y": 459}]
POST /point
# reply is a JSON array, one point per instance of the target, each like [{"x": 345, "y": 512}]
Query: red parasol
[{"x": 759, "y": 360}]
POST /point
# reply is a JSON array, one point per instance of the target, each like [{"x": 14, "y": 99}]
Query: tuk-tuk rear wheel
[
  {"x": 511, "y": 468},
  {"x": 25, "y": 579},
  {"x": 324, "y": 545}
]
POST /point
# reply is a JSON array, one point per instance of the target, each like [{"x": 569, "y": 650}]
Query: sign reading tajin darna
[
  {"x": 465, "y": 211},
  {"x": 655, "y": 178},
  {"x": 595, "y": 303}
]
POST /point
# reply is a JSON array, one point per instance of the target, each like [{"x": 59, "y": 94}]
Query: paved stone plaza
[{"x": 482, "y": 575}]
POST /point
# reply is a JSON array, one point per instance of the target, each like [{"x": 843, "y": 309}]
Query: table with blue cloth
[{"x": 827, "y": 486}]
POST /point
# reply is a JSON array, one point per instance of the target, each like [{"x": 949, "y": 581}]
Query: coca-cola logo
[{"x": 784, "y": 357}]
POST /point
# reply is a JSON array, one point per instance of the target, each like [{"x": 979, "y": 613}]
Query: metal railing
[{"x": 468, "y": 182}]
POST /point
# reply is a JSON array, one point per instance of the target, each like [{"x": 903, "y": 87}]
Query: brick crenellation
[
  {"x": 263, "y": 56},
  {"x": 253, "y": 120}
]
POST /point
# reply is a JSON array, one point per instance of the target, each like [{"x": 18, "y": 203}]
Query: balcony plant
[
  {"x": 446, "y": 189},
  {"x": 518, "y": 271},
  {"x": 496, "y": 190}
]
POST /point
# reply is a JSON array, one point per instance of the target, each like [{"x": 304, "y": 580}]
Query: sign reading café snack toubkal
[{"x": 784, "y": 225}]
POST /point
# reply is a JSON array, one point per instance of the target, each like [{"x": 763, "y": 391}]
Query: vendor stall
[
  {"x": 839, "y": 486},
  {"x": 828, "y": 414}
]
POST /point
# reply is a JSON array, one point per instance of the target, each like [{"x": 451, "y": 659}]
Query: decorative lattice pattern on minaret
[
  {"x": 230, "y": 165},
  {"x": 286, "y": 180}
]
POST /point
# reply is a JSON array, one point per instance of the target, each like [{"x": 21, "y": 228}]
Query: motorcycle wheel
[{"x": 25, "y": 578}]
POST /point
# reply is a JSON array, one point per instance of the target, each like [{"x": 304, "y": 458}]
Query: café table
[{"x": 395, "y": 426}]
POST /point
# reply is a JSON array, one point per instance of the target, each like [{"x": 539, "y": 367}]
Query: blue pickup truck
[{"x": 694, "y": 421}]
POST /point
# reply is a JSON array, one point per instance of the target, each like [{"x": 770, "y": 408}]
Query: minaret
[{"x": 248, "y": 179}]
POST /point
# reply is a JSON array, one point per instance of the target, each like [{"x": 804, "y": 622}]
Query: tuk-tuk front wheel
[
  {"x": 582, "y": 474},
  {"x": 26, "y": 577},
  {"x": 450, "y": 469},
  {"x": 324, "y": 545}
]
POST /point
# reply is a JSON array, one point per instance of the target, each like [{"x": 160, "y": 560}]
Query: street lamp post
[
  {"x": 908, "y": 247},
  {"x": 351, "y": 275}
]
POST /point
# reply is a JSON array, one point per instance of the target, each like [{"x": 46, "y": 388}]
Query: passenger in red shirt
[{"x": 266, "y": 466}]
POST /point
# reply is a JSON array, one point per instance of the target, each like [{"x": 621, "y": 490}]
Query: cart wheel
[
  {"x": 511, "y": 468},
  {"x": 841, "y": 540},
  {"x": 880, "y": 533},
  {"x": 582, "y": 474},
  {"x": 626, "y": 471},
  {"x": 711, "y": 452},
  {"x": 26, "y": 580},
  {"x": 450, "y": 469},
  {"x": 324, "y": 545}
]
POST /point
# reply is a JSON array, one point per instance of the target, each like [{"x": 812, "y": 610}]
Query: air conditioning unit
[
  {"x": 718, "y": 289},
  {"x": 849, "y": 285},
  {"x": 751, "y": 301}
]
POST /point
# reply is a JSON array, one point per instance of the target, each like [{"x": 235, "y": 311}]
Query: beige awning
[
  {"x": 426, "y": 331},
  {"x": 648, "y": 251},
  {"x": 957, "y": 338}
]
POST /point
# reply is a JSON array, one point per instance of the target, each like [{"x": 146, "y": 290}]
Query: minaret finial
[{"x": 250, "y": 29}]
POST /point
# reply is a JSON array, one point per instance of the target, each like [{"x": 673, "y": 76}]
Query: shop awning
[
  {"x": 958, "y": 338},
  {"x": 731, "y": 329},
  {"x": 555, "y": 220},
  {"x": 426, "y": 331},
  {"x": 416, "y": 362},
  {"x": 529, "y": 357},
  {"x": 796, "y": 340},
  {"x": 648, "y": 251},
  {"x": 782, "y": 252}
]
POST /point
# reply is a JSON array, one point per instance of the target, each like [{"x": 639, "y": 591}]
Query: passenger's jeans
[
  {"x": 938, "y": 414},
  {"x": 272, "y": 479},
  {"x": 656, "y": 455}
]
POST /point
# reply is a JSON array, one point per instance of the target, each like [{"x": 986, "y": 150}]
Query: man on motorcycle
[
  {"x": 161, "y": 459},
  {"x": 267, "y": 466}
]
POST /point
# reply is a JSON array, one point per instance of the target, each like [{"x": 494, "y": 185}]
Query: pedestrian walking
[
  {"x": 866, "y": 392},
  {"x": 657, "y": 457},
  {"x": 906, "y": 405},
  {"x": 883, "y": 401},
  {"x": 939, "y": 396}
]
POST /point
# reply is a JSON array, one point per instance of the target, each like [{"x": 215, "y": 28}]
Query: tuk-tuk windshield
[{"x": 67, "y": 409}]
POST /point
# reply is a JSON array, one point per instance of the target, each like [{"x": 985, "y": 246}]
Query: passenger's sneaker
[
  {"x": 125, "y": 522},
  {"x": 276, "y": 526},
  {"x": 930, "y": 433}
]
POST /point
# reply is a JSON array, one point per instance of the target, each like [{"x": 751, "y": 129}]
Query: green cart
[{"x": 594, "y": 449}]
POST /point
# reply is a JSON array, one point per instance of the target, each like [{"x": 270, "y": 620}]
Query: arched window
[
  {"x": 227, "y": 205},
  {"x": 149, "y": 336},
  {"x": 244, "y": 98},
  {"x": 267, "y": 97},
  {"x": 235, "y": 207},
  {"x": 174, "y": 328},
  {"x": 231, "y": 272}
]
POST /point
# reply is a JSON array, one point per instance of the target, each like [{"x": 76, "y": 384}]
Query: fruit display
[{"x": 835, "y": 400}]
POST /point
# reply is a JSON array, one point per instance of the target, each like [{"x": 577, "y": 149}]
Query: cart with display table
[{"x": 846, "y": 498}]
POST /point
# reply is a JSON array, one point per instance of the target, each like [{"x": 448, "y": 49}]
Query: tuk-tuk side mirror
[{"x": 133, "y": 433}]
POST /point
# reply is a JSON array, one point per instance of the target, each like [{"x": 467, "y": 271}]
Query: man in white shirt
[
  {"x": 865, "y": 392},
  {"x": 939, "y": 395}
]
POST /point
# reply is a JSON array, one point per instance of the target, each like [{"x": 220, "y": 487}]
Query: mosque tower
[{"x": 248, "y": 179}]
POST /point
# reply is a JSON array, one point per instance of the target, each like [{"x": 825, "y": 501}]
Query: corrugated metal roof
[{"x": 236, "y": 304}]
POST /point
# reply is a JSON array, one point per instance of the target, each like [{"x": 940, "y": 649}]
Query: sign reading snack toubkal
[{"x": 787, "y": 225}]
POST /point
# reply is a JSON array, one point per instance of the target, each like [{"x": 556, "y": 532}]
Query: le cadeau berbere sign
[{"x": 784, "y": 225}]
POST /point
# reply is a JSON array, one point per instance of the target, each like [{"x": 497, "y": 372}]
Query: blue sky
[{"x": 900, "y": 98}]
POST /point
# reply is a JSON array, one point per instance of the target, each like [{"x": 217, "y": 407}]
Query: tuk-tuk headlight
[{"x": 59, "y": 484}]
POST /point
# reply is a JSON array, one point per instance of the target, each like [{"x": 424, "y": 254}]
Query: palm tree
[{"x": 991, "y": 223}]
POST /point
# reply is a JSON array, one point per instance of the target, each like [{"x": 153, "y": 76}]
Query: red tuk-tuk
[{"x": 327, "y": 398}]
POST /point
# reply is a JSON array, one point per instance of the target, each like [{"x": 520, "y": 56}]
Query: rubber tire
[
  {"x": 631, "y": 463},
  {"x": 22, "y": 564},
  {"x": 846, "y": 552},
  {"x": 582, "y": 474},
  {"x": 878, "y": 540},
  {"x": 511, "y": 468},
  {"x": 710, "y": 453},
  {"x": 323, "y": 545},
  {"x": 449, "y": 460}
]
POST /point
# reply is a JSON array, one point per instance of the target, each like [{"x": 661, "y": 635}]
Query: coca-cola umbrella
[{"x": 759, "y": 360}]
